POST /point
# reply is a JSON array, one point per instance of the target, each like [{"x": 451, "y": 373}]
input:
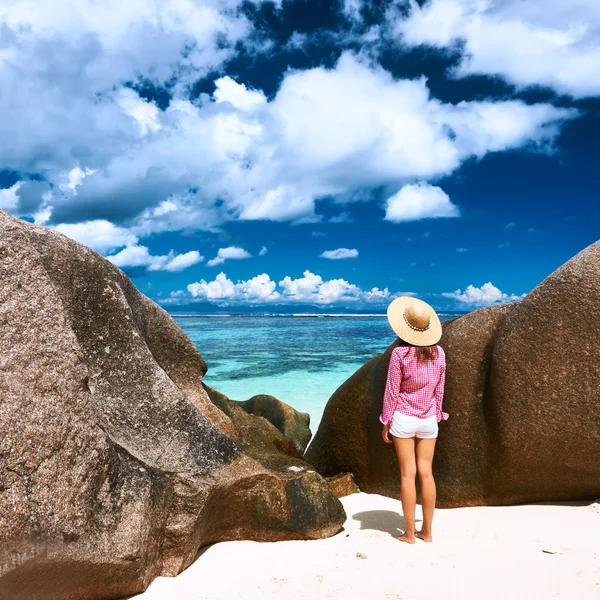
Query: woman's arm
[
  {"x": 439, "y": 395},
  {"x": 392, "y": 387}
]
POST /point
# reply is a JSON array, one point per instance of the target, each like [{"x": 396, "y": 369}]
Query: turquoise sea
[{"x": 299, "y": 359}]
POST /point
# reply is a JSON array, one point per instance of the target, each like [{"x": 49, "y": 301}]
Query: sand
[{"x": 536, "y": 551}]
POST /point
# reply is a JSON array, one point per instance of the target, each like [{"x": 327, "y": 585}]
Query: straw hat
[{"x": 414, "y": 321}]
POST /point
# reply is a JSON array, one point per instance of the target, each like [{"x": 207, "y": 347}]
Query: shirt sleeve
[
  {"x": 439, "y": 396},
  {"x": 392, "y": 387}
]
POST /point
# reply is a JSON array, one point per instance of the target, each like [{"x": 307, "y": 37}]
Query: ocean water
[{"x": 301, "y": 360}]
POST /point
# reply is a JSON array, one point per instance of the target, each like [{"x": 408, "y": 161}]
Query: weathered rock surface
[
  {"x": 342, "y": 484},
  {"x": 115, "y": 464},
  {"x": 293, "y": 425},
  {"x": 522, "y": 390}
]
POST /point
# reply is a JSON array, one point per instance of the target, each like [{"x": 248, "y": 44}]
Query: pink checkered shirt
[{"x": 414, "y": 388}]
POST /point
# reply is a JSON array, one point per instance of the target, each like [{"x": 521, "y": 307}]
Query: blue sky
[{"x": 300, "y": 155}]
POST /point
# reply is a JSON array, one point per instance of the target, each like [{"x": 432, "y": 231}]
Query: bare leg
[
  {"x": 425, "y": 449},
  {"x": 405, "y": 449}
]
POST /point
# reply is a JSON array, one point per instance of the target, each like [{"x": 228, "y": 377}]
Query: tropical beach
[
  {"x": 299, "y": 299},
  {"x": 170, "y": 472},
  {"x": 533, "y": 551}
]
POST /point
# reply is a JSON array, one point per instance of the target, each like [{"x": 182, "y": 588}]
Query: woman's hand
[{"x": 385, "y": 433}]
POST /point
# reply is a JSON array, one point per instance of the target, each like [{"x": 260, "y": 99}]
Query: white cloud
[
  {"x": 308, "y": 289},
  {"x": 419, "y": 201},
  {"x": 352, "y": 8},
  {"x": 297, "y": 41},
  {"x": 231, "y": 252},
  {"x": 219, "y": 289},
  {"x": 259, "y": 289},
  {"x": 100, "y": 235},
  {"x": 144, "y": 114},
  {"x": 237, "y": 94},
  {"x": 76, "y": 175},
  {"x": 302, "y": 289},
  {"x": 183, "y": 261},
  {"x": 340, "y": 253},
  {"x": 145, "y": 37},
  {"x": 311, "y": 289},
  {"x": 263, "y": 251},
  {"x": 139, "y": 256},
  {"x": 510, "y": 226},
  {"x": 66, "y": 65},
  {"x": 8, "y": 197},
  {"x": 327, "y": 133},
  {"x": 483, "y": 296},
  {"x": 462, "y": 250},
  {"x": 554, "y": 44},
  {"x": 164, "y": 208}
]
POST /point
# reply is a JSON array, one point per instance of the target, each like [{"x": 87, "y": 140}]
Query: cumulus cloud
[
  {"x": 553, "y": 44},
  {"x": 109, "y": 154},
  {"x": 231, "y": 252},
  {"x": 8, "y": 197},
  {"x": 100, "y": 235},
  {"x": 68, "y": 68},
  {"x": 151, "y": 38},
  {"x": 263, "y": 251},
  {"x": 237, "y": 94},
  {"x": 419, "y": 201},
  {"x": 483, "y": 296},
  {"x": 340, "y": 253},
  {"x": 181, "y": 262},
  {"x": 308, "y": 289},
  {"x": 139, "y": 256},
  {"x": 259, "y": 289}
]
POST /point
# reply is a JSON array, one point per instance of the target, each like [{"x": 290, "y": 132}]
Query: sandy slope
[{"x": 530, "y": 552}]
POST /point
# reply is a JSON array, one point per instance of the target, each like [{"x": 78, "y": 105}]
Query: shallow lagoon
[{"x": 301, "y": 360}]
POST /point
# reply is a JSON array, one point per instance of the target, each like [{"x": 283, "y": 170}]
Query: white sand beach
[{"x": 537, "y": 551}]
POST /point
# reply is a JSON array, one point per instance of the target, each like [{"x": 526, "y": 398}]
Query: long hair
[{"x": 423, "y": 353}]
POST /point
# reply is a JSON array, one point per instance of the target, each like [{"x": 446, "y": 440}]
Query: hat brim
[{"x": 395, "y": 315}]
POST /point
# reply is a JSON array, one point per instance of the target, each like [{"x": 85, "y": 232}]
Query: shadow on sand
[{"x": 387, "y": 521}]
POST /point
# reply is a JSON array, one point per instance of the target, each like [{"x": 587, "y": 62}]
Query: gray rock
[
  {"x": 115, "y": 465},
  {"x": 293, "y": 424},
  {"x": 522, "y": 390}
]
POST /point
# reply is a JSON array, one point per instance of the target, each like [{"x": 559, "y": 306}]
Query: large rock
[
  {"x": 522, "y": 390},
  {"x": 293, "y": 424},
  {"x": 115, "y": 463}
]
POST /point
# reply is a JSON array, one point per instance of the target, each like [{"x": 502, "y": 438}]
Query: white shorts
[{"x": 405, "y": 426}]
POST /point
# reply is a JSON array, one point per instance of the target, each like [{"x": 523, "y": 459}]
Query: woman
[{"x": 412, "y": 405}]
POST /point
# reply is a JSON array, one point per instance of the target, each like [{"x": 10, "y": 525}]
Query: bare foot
[
  {"x": 409, "y": 539},
  {"x": 422, "y": 536}
]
